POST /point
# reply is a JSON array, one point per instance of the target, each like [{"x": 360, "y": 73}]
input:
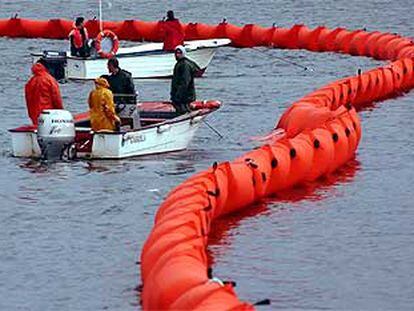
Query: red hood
[{"x": 39, "y": 69}]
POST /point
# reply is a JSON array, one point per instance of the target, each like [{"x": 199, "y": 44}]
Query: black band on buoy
[
  {"x": 264, "y": 302},
  {"x": 210, "y": 272},
  {"x": 251, "y": 163},
  {"x": 216, "y": 193},
  {"x": 231, "y": 283}
]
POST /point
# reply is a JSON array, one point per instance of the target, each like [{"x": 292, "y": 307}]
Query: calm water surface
[{"x": 70, "y": 233}]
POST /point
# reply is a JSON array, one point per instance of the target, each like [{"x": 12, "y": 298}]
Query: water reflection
[
  {"x": 319, "y": 189},
  {"x": 223, "y": 229},
  {"x": 34, "y": 166}
]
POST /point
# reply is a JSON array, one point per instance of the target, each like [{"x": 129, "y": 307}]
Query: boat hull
[
  {"x": 158, "y": 139},
  {"x": 140, "y": 67},
  {"x": 144, "y": 61},
  {"x": 172, "y": 135}
]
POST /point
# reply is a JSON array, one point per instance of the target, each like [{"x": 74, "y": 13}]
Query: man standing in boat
[
  {"x": 182, "y": 84},
  {"x": 173, "y": 32},
  {"x": 79, "y": 39},
  {"x": 121, "y": 83},
  {"x": 41, "y": 92}
]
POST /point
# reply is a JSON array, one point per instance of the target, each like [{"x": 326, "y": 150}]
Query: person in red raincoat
[
  {"x": 42, "y": 92},
  {"x": 173, "y": 32}
]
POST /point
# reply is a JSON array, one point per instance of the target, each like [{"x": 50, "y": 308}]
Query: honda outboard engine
[{"x": 56, "y": 134}]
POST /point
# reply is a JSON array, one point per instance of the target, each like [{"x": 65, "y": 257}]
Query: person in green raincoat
[{"x": 182, "y": 84}]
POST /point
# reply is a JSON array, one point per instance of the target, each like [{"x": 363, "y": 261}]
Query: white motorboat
[
  {"x": 160, "y": 130},
  {"x": 143, "y": 61}
]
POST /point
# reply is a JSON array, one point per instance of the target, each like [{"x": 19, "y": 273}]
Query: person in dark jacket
[
  {"x": 121, "y": 83},
  {"x": 79, "y": 39},
  {"x": 182, "y": 84},
  {"x": 173, "y": 32},
  {"x": 120, "y": 80}
]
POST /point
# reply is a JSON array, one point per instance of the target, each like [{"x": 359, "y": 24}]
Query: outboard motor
[
  {"x": 56, "y": 134},
  {"x": 55, "y": 63}
]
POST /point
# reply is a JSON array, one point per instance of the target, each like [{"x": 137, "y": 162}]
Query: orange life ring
[{"x": 115, "y": 43}]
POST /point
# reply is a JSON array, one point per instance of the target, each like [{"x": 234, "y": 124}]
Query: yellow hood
[{"x": 101, "y": 82}]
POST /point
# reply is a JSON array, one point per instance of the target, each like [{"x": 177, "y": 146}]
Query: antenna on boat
[{"x": 100, "y": 16}]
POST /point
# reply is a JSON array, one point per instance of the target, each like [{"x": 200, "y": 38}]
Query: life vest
[{"x": 78, "y": 39}]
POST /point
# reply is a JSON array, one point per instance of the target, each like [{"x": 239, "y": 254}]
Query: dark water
[{"x": 70, "y": 233}]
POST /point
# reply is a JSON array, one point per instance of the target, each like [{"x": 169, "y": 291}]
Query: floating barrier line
[{"x": 316, "y": 135}]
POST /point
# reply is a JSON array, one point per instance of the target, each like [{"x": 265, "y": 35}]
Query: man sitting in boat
[
  {"x": 121, "y": 84},
  {"x": 41, "y": 92},
  {"x": 182, "y": 84},
  {"x": 173, "y": 32},
  {"x": 102, "y": 107},
  {"x": 79, "y": 39}
]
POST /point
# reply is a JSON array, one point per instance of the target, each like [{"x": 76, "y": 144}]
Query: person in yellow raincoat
[{"x": 102, "y": 107}]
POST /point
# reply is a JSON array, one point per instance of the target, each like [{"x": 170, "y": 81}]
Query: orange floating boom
[{"x": 321, "y": 133}]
